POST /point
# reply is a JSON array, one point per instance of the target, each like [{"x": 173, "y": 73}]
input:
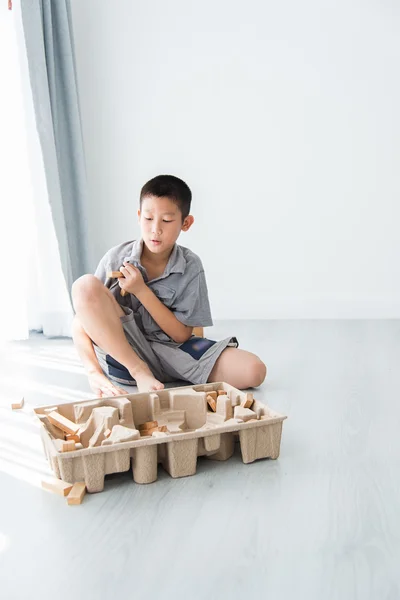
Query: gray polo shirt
[{"x": 182, "y": 287}]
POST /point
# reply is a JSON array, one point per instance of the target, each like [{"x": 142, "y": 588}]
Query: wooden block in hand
[
  {"x": 248, "y": 401},
  {"x": 18, "y": 405},
  {"x": 114, "y": 274},
  {"x": 63, "y": 423},
  {"x": 211, "y": 403},
  {"x": 57, "y": 486},
  {"x": 76, "y": 494}
]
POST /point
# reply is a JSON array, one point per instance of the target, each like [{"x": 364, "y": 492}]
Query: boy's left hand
[{"x": 133, "y": 281}]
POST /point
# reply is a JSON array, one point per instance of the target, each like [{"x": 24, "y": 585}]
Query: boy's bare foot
[
  {"x": 102, "y": 386},
  {"x": 146, "y": 382}
]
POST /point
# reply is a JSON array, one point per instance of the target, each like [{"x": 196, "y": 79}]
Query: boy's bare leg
[
  {"x": 239, "y": 368},
  {"x": 99, "y": 314},
  {"x": 99, "y": 383}
]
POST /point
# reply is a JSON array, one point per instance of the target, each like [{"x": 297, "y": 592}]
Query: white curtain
[{"x": 33, "y": 292}]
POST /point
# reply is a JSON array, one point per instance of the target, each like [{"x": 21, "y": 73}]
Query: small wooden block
[
  {"x": 107, "y": 433},
  {"x": 63, "y": 423},
  {"x": 151, "y": 431},
  {"x": 148, "y": 425},
  {"x": 114, "y": 274},
  {"x": 18, "y": 405},
  {"x": 68, "y": 446},
  {"x": 163, "y": 429},
  {"x": 58, "y": 487},
  {"x": 70, "y": 437},
  {"x": 76, "y": 494},
  {"x": 211, "y": 403},
  {"x": 248, "y": 401},
  {"x": 144, "y": 432},
  {"x": 222, "y": 393},
  {"x": 213, "y": 395}
]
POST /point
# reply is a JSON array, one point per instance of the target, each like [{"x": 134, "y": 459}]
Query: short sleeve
[{"x": 192, "y": 306}]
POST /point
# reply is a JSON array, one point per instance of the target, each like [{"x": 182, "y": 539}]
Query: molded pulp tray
[{"x": 192, "y": 430}]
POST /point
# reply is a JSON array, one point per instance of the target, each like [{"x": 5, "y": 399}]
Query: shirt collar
[{"x": 176, "y": 262}]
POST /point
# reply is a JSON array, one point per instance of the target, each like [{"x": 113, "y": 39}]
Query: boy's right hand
[{"x": 102, "y": 386}]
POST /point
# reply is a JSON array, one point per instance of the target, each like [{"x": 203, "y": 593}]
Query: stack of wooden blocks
[
  {"x": 150, "y": 427},
  {"x": 69, "y": 430}
]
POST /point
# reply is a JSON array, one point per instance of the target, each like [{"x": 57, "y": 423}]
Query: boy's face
[{"x": 160, "y": 221}]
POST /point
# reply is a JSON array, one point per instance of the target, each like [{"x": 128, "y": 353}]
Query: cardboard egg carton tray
[{"x": 191, "y": 421}]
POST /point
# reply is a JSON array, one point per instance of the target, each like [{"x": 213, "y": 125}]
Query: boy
[{"x": 144, "y": 338}]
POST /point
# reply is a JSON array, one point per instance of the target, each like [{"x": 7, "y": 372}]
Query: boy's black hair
[{"x": 173, "y": 188}]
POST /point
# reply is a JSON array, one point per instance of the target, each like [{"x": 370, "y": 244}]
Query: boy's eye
[{"x": 150, "y": 219}]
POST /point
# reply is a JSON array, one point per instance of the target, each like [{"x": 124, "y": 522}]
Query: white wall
[{"x": 284, "y": 120}]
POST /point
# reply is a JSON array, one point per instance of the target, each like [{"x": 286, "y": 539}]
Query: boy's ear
[
  {"x": 187, "y": 223},
  {"x": 138, "y": 214}
]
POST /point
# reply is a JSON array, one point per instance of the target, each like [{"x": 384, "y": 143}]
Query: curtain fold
[{"x": 50, "y": 56}]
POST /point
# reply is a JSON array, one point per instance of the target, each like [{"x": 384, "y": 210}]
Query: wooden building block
[
  {"x": 114, "y": 274},
  {"x": 71, "y": 437},
  {"x": 57, "y": 486},
  {"x": 211, "y": 403},
  {"x": 148, "y": 425},
  {"x": 107, "y": 433},
  {"x": 68, "y": 446},
  {"x": 222, "y": 393},
  {"x": 198, "y": 331},
  {"x": 248, "y": 401},
  {"x": 163, "y": 429},
  {"x": 18, "y": 405},
  {"x": 150, "y": 431},
  {"x": 76, "y": 494},
  {"x": 63, "y": 423},
  {"x": 213, "y": 395}
]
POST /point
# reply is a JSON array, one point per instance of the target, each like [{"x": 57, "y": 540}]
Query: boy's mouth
[{"x": 156, "y": 242}]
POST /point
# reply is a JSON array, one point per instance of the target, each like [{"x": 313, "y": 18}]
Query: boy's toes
[{"x": 158, "y": 386}]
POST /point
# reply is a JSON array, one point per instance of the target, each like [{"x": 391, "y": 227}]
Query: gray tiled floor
[{"x": 321, "y": 522}]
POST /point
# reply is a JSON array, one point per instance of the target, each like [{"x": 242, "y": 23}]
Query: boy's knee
[
  {"x": 85, "y": 288},
  {"x": 258, "y": 373}
]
